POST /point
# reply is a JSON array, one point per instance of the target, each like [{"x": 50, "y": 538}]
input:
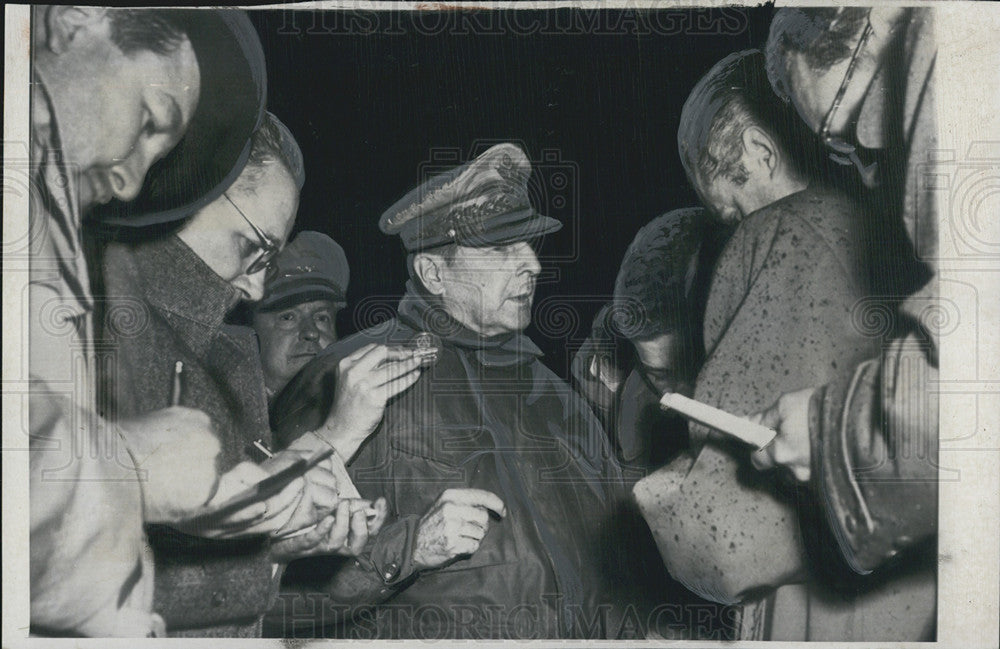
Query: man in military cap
[
  {"x": 113, "y": 92},
  {"x": 297, "y": 317},
  {"x": 499, "y": 479}
]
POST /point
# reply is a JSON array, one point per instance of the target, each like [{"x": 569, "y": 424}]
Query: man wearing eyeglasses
[
  {"x": 122, "y": 100},
  {"x": 182, "y": 287},
  {"x": 862, "y": 79},
  {"x": 866, "y": 442},
  {"x": 778, "y": 317}
]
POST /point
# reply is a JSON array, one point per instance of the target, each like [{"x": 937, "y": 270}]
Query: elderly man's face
[
  {"x": 490, "y": 290},
  {"x": 291, "y": 337},
  {"x": 116, "y": 113},
  {"x": 226, "y": 241}
]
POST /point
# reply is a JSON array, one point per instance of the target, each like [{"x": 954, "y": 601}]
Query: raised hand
[
  {"x": 790, "y": 449},
  {"x": 366, "y": 380}
]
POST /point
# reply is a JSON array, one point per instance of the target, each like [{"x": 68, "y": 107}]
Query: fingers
[
  {"x": 365, "y": 359},
  {"x": 475, "y": 498},
  {"x": 359, "y": 533},
  {"x": 472, "y": 531},
  {"x": 390, "y": 372},
  {"x": 397, "y": 386},
  {"x": 340, "y": 528},
  {"x": 321, "y": 476},
  {"x": 281, "y": 506},
  {"x": 381, "y": 508},
  {"x": 323, "y": 499},
  {"x": 762, "y": 460},
  {"x": 771, "y": 417},
  {"x": 464, "y": 545}
]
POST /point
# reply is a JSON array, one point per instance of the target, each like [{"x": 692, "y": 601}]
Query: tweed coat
[
  {"x": 202, "y": 587},
  {"x": 779, "y": 318}
]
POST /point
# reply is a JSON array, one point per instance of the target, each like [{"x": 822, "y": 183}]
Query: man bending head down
[{"x": 741, "y": 147}]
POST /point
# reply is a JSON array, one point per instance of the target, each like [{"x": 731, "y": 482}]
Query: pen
[
  {"x": 175, "y": 388},
  {"x": 259, "y": 443}
]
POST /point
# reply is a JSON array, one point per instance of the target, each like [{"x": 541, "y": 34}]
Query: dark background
[{"x": 378, "y": 101}]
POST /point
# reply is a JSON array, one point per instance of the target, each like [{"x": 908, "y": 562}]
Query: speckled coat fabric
[
  {"x": 203, "y": 588},
  {"x": 779, "y": 318}
]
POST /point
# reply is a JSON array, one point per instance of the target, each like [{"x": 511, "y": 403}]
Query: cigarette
[
  {"x": 742, "y": 429},
  {"x": 175, "y": 388}
]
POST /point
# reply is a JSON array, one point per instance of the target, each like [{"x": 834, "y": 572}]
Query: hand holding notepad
[{"x": 719, "y": 420}]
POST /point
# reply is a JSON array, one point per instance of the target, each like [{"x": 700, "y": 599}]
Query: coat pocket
[{"x": 425, "y": 463}]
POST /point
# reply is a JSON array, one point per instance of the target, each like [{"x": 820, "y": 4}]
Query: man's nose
[
  {"x": 251, "y": 285},
  {"x": 308, "y": 330},
  {"x": 528, "y": 258},
  {"x": 126, "y": 176}
]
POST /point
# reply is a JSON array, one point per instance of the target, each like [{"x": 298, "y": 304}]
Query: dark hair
[
  {"x": 157, "y": 30},
  {"x": 665, "y": 273},
  {"x": 272, "y": 142},
  {"x": 734, "y": 95},
  {"x": 824, "y": 37}
]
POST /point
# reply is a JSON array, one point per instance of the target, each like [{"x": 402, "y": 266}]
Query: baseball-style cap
[
  {"x": 216, "y": 145},
  {"x": 481, "y": 203},
  {"x": 312, "y": 267}
]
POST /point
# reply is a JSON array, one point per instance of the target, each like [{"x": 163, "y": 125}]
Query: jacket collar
[
  {"x": 179, "y": 283},
  {"x": 418, "y": 312}
]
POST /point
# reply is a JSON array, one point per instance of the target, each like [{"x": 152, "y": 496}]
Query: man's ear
[
  {"x": 68, "y": 25},
  {"x": 427, "y": 267},
  {"x": 760, "y": 150}
]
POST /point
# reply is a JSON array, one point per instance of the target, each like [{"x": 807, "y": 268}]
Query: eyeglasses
[
  {"x": 841, "y": 151},
  {"x": 839, "y": 145},
  {"x": 268, "y": 248}
]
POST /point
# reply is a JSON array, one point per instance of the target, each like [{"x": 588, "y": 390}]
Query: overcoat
[
  {"x": 489, "y": 415},
  {"x": 202, "y": 587}
]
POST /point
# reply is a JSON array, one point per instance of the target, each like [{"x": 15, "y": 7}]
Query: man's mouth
[
  {"x": 524, "y": 297},
  {"x": 304, "y": 353}
]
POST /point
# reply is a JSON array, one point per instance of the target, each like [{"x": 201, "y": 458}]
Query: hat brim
[
  {"x": 503, "y": 230},
  {"x": 299, "y": 294},
  {"x": 216, "y": 145}
]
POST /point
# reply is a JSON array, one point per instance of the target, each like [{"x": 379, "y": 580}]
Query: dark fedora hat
[{"x": 216, "y": 145}]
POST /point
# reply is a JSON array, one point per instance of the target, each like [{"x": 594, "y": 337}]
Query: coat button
[
  {"x": 391, "y": 571},
  {"x": 218, "y": 598}
]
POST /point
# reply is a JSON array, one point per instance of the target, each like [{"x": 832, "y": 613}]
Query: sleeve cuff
[{"x": 391, "y": 553}]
